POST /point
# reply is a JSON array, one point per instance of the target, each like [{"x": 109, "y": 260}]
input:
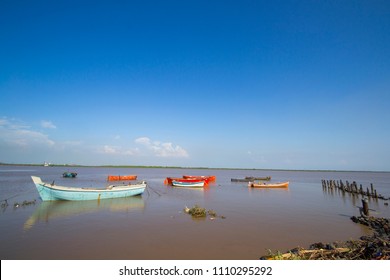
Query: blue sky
[{"x": 236, "y": 84}]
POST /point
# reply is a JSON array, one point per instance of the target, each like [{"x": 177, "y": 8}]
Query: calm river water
[{"x": 154, "y": 225}]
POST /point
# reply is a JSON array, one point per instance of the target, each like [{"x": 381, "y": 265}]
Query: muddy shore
[{"x": 369, "y": 247}]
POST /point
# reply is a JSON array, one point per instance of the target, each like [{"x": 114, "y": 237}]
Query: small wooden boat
[
  {"x": 268, "y": 186},
  {"x": 250, "y": 179},
  {"x": 54, "y": 192},
  {"x": 200, "y": 184},
  {"x": 208, "y": 178},
  {"x": 259, "y": 178},
  {"x": 121, "y": 178},
  {"x": 169, "y": 180},
  {"x": 69, "y": 174}
]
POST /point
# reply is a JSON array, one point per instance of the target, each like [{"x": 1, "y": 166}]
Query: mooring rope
[
  {"x": 25, "y": 192},
  {"x": 159, "y": 194}
]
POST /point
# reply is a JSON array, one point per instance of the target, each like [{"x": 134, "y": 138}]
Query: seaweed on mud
[{"x": 199, "y": 212}]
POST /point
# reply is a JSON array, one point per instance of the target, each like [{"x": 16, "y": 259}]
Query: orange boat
[
  {"x": 169, "y": 180},
  {"x": 121, "y": 178},
  {"x": 208, "y": 178},
  {"x": 268, "y": 186}
]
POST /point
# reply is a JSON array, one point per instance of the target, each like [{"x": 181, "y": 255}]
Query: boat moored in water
[
  {"x": 211, "y": 178},
  {"x": 200, "y": 184},
  {"x": 169, "y": 180},
  {"x": 49, "y": 191},
  {"x": 121, "y": 178},
  {"x": 69, "y": 174},
  {"x": 268, "y": 186},
  {"x": 250, "y": 179}
]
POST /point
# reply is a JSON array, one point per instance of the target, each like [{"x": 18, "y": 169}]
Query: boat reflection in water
[{"x": 49, "y": 210}]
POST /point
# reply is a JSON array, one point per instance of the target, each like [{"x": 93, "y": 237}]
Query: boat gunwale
[
  {"x": 188, "y": 184},
  {"x": 111, "y": 188}
]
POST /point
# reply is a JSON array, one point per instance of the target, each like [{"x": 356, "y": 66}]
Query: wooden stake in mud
[{"x": 365, "y": 206}]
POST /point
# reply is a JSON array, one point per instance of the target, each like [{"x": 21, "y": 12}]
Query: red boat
[
  {"x": 168, "y": 180},
  {"x": 121, "y": 178},
  {"x": 208, "y": 178}
]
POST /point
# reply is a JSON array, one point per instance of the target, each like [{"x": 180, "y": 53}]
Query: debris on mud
[
  {"x": 372, "y": 247},
  {"x": 24, "y": 203}
]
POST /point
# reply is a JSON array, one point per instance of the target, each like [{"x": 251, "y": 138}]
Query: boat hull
[
  {"x": 121, "y": 178},
  {"x": 69, "y": 174},
  {"x": 188, "y": 184},
  {"x": 210, "y": 179},
  {"x": 169, "y": 180},
  {"x": 250, "y": 179},
  {"x": 268, "y": 186},
  {"x": 49, "y": 192}
]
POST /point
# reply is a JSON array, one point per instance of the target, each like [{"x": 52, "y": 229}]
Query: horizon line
[{"x": 187, "y": 167}]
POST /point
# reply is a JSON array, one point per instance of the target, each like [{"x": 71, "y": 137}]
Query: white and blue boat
[
  {"x": 188, "y": 184},
  {"x": 49, "y": 191}
]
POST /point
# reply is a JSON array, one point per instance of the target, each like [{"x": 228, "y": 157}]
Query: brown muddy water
[{"x": 154, "y": 226}]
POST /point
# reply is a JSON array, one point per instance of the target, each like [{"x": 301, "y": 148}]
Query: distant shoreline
[{"x": 181, "y": 167}]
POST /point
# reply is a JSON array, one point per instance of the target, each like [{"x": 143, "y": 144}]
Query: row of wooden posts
[
  {"x": 354, "y": 189},
  {"x": 351, "y": 188}
]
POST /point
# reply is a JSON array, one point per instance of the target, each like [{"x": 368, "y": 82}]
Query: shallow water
[{"x": 154, "y": 225}]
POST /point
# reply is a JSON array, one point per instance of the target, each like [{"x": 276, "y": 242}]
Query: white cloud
[
  {"x": 116, "y": 150},
  {"x": 109, "y": 150},
  {"x": 131, "y": 152},
  {"x": 3, "y": 122},
  {"x": 143, "y": 140},
  {"x": 15, "y": 134},
  {"x": 28, "y": 137},
  {"x": 48, "y": 124},
  {"x": 160, "y": 149}
]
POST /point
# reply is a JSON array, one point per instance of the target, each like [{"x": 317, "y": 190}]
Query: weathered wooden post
[{"x": 365, "y": 206}]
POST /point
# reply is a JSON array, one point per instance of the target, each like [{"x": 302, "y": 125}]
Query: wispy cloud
[
  {"x": 48, "y": 124},
  {"x": 21, "y": 138},
  {"x": 157, "y": 148},
  {"x": 15, "y": 134},
  {"x": 109, "y": 150},
  {"x": 143, "y": 140},
  {"x": 160, "y": 149},
  {"x": 117, "y": 150},
  {"x": 3, "y": 122}
]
